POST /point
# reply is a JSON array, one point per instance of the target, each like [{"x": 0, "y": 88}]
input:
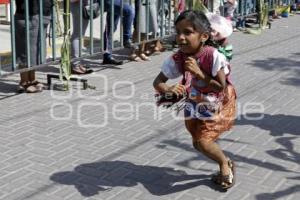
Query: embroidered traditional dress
[{"x": 214, "y": 111}]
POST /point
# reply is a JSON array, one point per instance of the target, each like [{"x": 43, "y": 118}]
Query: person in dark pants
[
  {"x": 77, "y": 67},
  {"x": 128, "y": 16},
  {"x": 28, "y": 83}
]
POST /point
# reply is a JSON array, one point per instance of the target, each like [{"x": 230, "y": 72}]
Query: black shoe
[
  {"x": 128, "y": 44},
  {"x": 112, "y": 61}
]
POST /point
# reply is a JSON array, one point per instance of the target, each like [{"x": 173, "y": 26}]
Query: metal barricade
[{"x": 95, "y": 40}]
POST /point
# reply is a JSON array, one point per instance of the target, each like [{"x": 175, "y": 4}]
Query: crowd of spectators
[{"x": 136, "y": 32}]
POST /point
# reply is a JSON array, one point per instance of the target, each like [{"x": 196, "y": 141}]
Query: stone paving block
[
  {"x": 152, "y": 154},
  {"x": 64, "y": 192},
  {"x": 41, "y": 159},
  {"x": 237, "y": 194},
  {"x": 16, "y": 184},
  {"x": 38, "y": 137},
  {"x": 67, "y": 162},
  {"x": 188, "y": 197},
  {"x": 77, "y": 196},
  {"x": 40, "y": 131},
  {"x": 58, "y": 139},
  {"x": 41, "y": 152},
  {"x": 4, "y": 149},
  {"x": 4, "y": 141},
  {"x": 295, "y": 195},
  {"x": 126, "y": 194},
  {"x": 62, "y": 154},
  {"x": 21, "y": 129},
  {"x": 274, "y": 180},
  {"x": 146, "y": 196},
  {"x": 80, "y": 141},
  {"x": 16, "y": 166},
  {"x": 14, "y": 176},
  {"x": 4, "y": 129},
  {"x": 19, "y": 157},
  {"x": 62, "y": 146},
  {"x": 104, "y": 142},
  {"x": 21, "y": 193},
  {"x": 21, "y": 140},
  {"x": 207, "y": 191}
]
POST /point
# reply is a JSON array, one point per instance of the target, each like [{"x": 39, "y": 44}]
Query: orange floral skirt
[{"x": 211, "y": 128}]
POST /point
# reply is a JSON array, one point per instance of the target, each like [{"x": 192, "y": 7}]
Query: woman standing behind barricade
[
  {"x": 76, "y": 66},
  {"x": 143, "y": 27},
  {"x": 128, "y": 16},
  {"x": 28, "y": 83}
]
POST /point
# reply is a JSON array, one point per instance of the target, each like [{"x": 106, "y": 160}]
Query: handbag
[{"x": 86, "y": 10}]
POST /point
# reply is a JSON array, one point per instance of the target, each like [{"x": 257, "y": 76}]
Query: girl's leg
[
  {"x": 208, "y": 148},
  {"x": 213, "y": 151}
]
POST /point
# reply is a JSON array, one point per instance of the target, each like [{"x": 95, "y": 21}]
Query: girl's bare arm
[{"x": 160, "y": 85}]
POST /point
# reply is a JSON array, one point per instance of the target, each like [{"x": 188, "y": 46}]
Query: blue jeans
[{"x": 128, "y": 16}]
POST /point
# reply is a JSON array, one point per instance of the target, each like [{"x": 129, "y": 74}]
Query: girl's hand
[
  {"x": 191, "y": 65},
  {"x": 177, "y": 89}
]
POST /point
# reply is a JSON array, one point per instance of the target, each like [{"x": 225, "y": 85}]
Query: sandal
[
  {"x": 39, "y": 86},
  {"x": 22, "y": 87},
  {"x": 33, "y": 89},
  {"x": 80, "y": 69},
  {"x": 156, "y": 51},
  {"x": 144, "y": 57},
  {"x": 134, "y": 57},
  {"x": 225, "y": 181}
]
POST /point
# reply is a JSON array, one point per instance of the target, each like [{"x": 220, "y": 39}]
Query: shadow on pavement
[
  {"x": 277, "y": 124},
  {"x": 92, "y": 178},
  {"x": 282, "y": 65},
  {"x": 235, "y": 157},
  {"x": 288, "y": 152},
  {"x": 8, "y": 87},
  {"x": 279, "y": 194}
]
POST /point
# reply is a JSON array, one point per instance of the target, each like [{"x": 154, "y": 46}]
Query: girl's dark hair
[
  {"x": 197, "y": 18},
  {"x": 199, "y": 22}
]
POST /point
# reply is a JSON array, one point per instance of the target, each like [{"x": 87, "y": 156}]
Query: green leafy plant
[
  {"x": 199, "y": 5},
  {"x": 65, "y": 63},
  {"x": 263, "y": 18}
]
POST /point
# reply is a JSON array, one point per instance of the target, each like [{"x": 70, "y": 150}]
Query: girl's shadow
[{"x": 92, "y": 178}]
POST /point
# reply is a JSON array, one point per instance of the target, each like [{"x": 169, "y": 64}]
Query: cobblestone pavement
[{"x": 112, "y": 143}]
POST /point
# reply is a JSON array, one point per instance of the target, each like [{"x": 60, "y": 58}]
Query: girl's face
[{"x": 189, "y": 39}]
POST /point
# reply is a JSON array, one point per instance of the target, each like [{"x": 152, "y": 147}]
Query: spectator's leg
[
  {"x": 128, "y": 17},
  {"x": 216, "y": 6},
  {"x": 32, "y": 79},
  {"x": 21, "y": 49},
  {"x": 108, "y": 40},
  {"x": 75, "y": 37}
]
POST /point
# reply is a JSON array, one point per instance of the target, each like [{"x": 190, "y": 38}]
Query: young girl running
[{"x": 211, "y": 103}]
